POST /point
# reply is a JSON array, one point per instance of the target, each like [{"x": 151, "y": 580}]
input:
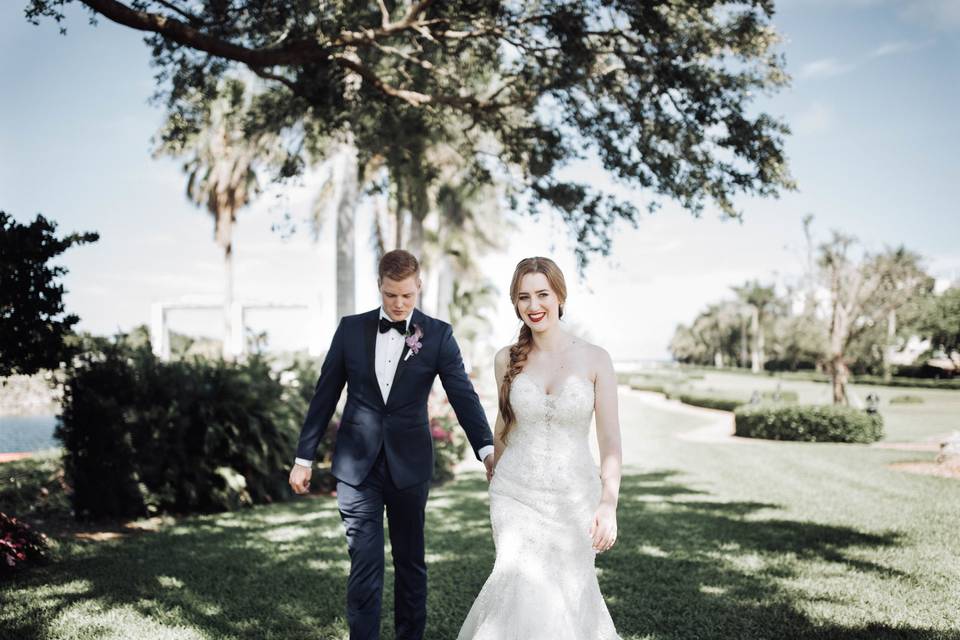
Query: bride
[{"x": 550, "y": 510}]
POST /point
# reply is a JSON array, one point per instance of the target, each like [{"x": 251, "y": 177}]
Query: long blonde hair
[{"x": 524, "y": 343}]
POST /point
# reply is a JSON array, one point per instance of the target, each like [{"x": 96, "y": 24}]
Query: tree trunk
[
  {"x": 839, "y": 375},
  {"x": 755, "y": 330},
  {"x": 415, "y": 238},
  {"x": 838, "y": 334},
  {"x": 744, "y": 349},
  {"x": 224, "y": 236},
  {"x": 761, "y": 345},
  {"x": 888, "y": 350},
  {"x": 444, "y": 288},
  {"x": 346, "y": 217}
]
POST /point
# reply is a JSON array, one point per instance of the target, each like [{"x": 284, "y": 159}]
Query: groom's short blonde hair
[{"x": 398, "y": 265}]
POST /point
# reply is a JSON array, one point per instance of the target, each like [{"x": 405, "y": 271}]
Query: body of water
[{"x": 27, "y": 433}]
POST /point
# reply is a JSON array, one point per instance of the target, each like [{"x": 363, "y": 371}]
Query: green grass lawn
[{"x": 717, "y": 540}]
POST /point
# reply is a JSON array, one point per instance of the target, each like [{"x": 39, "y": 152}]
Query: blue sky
[{"x": 872, "y": 105}]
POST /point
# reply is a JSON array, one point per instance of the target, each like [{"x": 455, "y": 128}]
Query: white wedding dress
[{"x": 543, "y": 496}]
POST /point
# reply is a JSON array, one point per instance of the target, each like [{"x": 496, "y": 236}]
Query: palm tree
[
  {"x": 220, "y": 167},
  {"x": 760, "y": 301}
]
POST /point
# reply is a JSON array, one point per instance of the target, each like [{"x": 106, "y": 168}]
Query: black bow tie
[{"x": 399, "y": 325}]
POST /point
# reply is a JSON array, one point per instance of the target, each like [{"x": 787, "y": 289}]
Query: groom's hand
[
  {"x": 300, "y": 479},
  {"x": 488, "y": 463}
]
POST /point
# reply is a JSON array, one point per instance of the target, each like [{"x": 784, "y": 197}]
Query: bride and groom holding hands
[{"x": 551, "y": 509}]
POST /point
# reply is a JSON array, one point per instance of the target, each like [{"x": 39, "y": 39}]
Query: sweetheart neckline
[{"x": 563, "y": 383}]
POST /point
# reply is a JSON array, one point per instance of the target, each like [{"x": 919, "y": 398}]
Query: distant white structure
[{"x": 235, "y": 344}]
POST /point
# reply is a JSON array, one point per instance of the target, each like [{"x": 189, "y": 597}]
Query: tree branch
[
  {"x": 263, "y": 73},
  {"x": 296, "y": 52}
]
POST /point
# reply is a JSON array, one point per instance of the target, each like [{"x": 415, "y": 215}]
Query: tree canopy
[{"x": 660, "y": 92}]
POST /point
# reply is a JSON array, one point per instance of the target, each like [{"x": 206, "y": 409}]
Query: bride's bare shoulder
[{"x": 596, "y": 357}]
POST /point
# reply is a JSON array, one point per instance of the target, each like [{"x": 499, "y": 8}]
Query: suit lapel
[
  {"x": 415, "y": 318},
  {"x": 370, "y": 328}
]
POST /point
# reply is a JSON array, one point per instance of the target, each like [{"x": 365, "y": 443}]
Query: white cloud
[
  {"x": 825, "y": 68},
  {"x": 900, "y": 46},
  {"x": 832, "y": 67}
]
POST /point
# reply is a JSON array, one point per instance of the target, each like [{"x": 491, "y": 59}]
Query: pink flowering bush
[
  {"x": 19, "y": 544},
  {"x": 449, "y": 441}
]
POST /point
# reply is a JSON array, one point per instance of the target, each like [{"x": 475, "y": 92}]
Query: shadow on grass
[
  {"x": 684, "y": 567},
  {"x": 688, "y": 567}
]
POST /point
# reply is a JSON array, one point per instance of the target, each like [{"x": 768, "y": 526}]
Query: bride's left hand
[{"x": 604, "y": 527}]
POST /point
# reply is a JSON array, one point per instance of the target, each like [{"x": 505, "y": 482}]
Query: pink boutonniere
[{"x": 413, "y": 340}]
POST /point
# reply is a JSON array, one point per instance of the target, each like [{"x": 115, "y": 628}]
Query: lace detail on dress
[{"x": 542, "y": 499}]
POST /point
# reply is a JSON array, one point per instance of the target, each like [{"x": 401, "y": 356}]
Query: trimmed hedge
[
  {"x": 906, "y": 399},
  {"x": 809, "y": 423},
  {"x": 142, "y": 436},
  {"x": 862, "y": 379},
  {"x": 709, "y": 402},
  {"x": 659, "y": 388}
]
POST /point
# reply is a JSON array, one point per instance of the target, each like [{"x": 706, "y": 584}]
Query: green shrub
[
  {"x": 33, "y": 487},
  {"x": 779, "y": 396},
  {"x": 906, "y": 399},
  {"x": 921, "y": 383},
  {"x": 449, "y": 441},
  {"x": 20, "y": 544},
  {"x": 709, "y": 402},
  {"x": 810, "y": 423},
  {"x": 659, "y": 388},
  {"x": 142, "y": 436}
]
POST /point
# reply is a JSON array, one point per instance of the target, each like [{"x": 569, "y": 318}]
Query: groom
[{"x": 388, "y": 358}]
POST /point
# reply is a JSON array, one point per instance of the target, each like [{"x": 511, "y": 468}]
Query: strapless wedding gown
[{"x": 543, "y": 496}]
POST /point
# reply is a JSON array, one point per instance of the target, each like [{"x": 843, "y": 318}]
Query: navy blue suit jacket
[{"x": 401, "y": 426}]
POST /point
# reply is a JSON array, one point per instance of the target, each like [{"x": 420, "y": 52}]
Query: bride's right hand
[{"x": 604, "y": 527}]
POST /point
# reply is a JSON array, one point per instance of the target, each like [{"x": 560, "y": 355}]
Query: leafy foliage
[
  {"x": 31, "y": 334},
  {"x": 449, "y": 446},
  {"x": 810, "y": 423},
  {"x": 144, "y": 436},
  {"x": 34, "y": 487},
  {"x": 940, "y": 322},
  {"x": 659, "y": 92},
  {"x": 19, "y": 544}
]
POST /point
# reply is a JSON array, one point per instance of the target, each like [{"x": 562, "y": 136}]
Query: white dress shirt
[{"x": 386, "y": 358}]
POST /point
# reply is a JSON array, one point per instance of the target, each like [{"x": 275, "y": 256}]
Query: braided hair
[{"x": 522, "y": 347}]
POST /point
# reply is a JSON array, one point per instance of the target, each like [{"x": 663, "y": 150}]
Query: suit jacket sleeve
[
  {"x": 463, "y": 398},
  {"x": 333, "y": 376}
]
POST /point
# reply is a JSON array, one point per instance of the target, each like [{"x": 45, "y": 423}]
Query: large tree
[
  {"x": 939, "y": 321},
  {"x": 864, "y": 292},
  {"x": 32, "y": 324},
  {"x": 713, "y": 336},
  {"x": 660, "y": 92}
]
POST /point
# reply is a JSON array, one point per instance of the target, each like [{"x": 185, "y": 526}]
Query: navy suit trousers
[{"x": 361, "y": 509}]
